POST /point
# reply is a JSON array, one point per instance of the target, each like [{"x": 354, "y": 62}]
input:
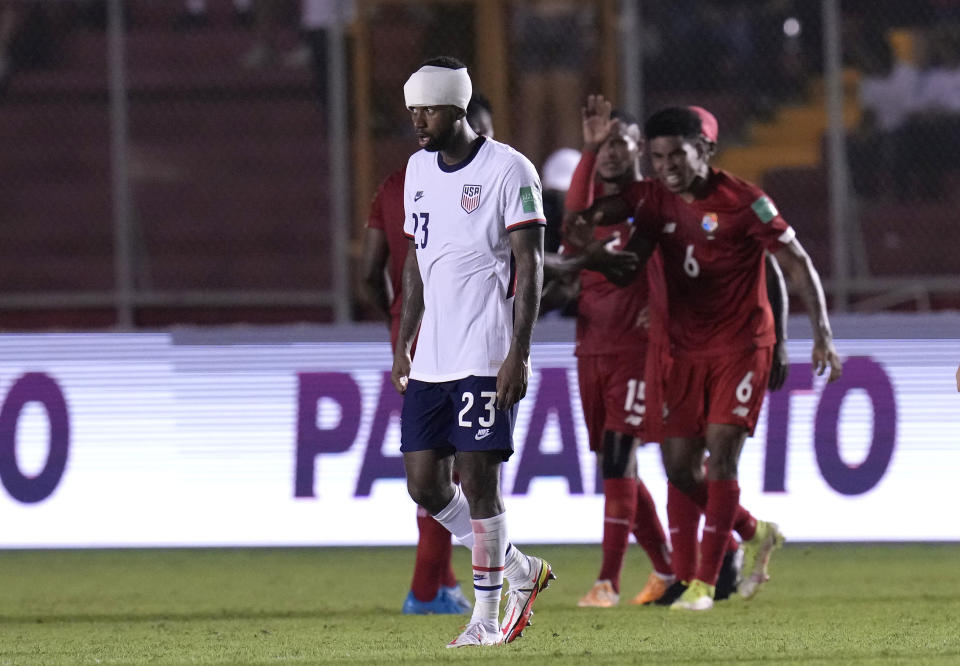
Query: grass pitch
[{"x": 826, "y": 604}]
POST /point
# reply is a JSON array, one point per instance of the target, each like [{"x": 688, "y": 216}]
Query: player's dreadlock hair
[
  {"x": 673, "y": 121},
  {"x": 443, "y": 61}
]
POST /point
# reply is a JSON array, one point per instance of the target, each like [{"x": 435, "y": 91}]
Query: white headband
[{"x": 438, "y": 86}]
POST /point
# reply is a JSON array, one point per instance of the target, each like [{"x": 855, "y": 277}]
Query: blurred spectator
[
  {"x": 927, "y": 145},
  {"x": 550, "y": 47},
  {"x": 939, "y": 91},
  {"x": 887, "y": 92},
  {"x": 557, "y": 174}
]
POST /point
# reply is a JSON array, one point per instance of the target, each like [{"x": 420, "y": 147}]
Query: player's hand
[
  {"x": 577, "y": 231},
  {"x": 780, "y": 368},
  {"x": 512, "y": 381},
  {"x": 596, "y": 121},
  {"x": 599, "y": 255},
  {"x": 824, "y": 355},
  {"x": 400, "y": 373}
]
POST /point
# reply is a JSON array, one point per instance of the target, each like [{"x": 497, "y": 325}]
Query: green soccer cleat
[
  {"x": 756, "y": 557},
  {"x": 698, "y": 597}
]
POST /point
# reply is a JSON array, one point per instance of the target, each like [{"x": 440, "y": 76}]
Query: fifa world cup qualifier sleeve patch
[
  {"x": 764, "y": 209},
  {"x": 528, "y": 199}
]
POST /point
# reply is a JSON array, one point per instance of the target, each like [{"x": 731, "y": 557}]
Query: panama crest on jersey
[
  {"x": 470, "y": 199},
  {"x": 709, "y": 224}
]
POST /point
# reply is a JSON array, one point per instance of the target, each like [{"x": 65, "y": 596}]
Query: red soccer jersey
[
  {"x": 606, "y": 314},
  {"x": 713, "y": 263},
  {"x": 387, "y": 214}
]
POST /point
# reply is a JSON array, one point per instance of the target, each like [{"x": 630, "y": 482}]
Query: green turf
[{"x": 825, "y": 604}]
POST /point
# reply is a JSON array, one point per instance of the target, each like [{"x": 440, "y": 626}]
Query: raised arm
[
  {"x": 597, "y": 124},
  {"x": 803, "y": 276},
  {"x": 527, "y": 247},
  {"x": 780, "y": 304},
  {"x": 410, "y": 317}
]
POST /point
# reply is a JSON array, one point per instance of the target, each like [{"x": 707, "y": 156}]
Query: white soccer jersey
[{"x": 459, "y": 218}]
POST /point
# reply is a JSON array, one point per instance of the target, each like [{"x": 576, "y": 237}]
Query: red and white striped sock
[{"x": 489, "y": 551}]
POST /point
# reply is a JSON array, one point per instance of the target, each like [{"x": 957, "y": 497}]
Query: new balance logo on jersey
[
  {"x": 741, "y": 411},
  {"x": 483, "y": 433},
  {"x": 669, "y": 227},
  {"x": 418, "y": 195},
  {"x": 470, "y": 199}
]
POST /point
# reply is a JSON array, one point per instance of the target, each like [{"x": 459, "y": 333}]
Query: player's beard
[{"x": 440, "y": 141}]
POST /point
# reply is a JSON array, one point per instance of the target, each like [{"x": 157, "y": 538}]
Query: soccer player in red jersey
[
  {"x": 434, "y": 589},
  {"x": 611, "y": 344},
  {"x": 712, "y": 229}
]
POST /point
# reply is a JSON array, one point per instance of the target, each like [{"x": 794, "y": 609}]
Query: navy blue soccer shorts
[{"x": 459, "y": 415}]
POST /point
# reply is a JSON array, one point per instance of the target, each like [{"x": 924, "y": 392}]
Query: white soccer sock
[
  {"x": 490, "y": 544},
  {"x": 455, "y": 516},
  {"x": 517, "y": 567}
]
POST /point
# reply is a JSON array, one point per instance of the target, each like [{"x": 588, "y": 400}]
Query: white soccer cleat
[
  {"x": 519, "y": 607},
  {"x": 476, "y": 634}
]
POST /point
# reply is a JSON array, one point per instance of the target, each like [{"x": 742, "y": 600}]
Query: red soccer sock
[
  {"x": 744, "y": 523},
  {"x": 684, "y": 516},
  {"x": 722, "y": 502},
  {"x": 649, "y": 532},
  {"x": 619, "y": 508},
  {"x": 433, "y": 555}
]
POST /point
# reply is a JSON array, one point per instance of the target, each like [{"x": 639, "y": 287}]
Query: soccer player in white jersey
[{"x": 471, "y": 286}]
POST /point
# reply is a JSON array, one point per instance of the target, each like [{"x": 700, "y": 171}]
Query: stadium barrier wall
[{"x": 282, "y": 437}]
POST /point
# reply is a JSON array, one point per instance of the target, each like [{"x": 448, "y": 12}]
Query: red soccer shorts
[
  {"x": 611, "y": 392},
  {"x": 723, "y": 389}
]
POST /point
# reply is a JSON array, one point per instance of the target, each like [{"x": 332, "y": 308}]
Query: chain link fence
[{"x": 213, "y": 161}]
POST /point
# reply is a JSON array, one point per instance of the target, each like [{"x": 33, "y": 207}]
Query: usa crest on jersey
[{"x": 470, "y": 199}]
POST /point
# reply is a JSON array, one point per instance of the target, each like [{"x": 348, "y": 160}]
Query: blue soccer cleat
[
  {"x": 442, "y": 604},
  {"x": 455, "y": 594}
]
